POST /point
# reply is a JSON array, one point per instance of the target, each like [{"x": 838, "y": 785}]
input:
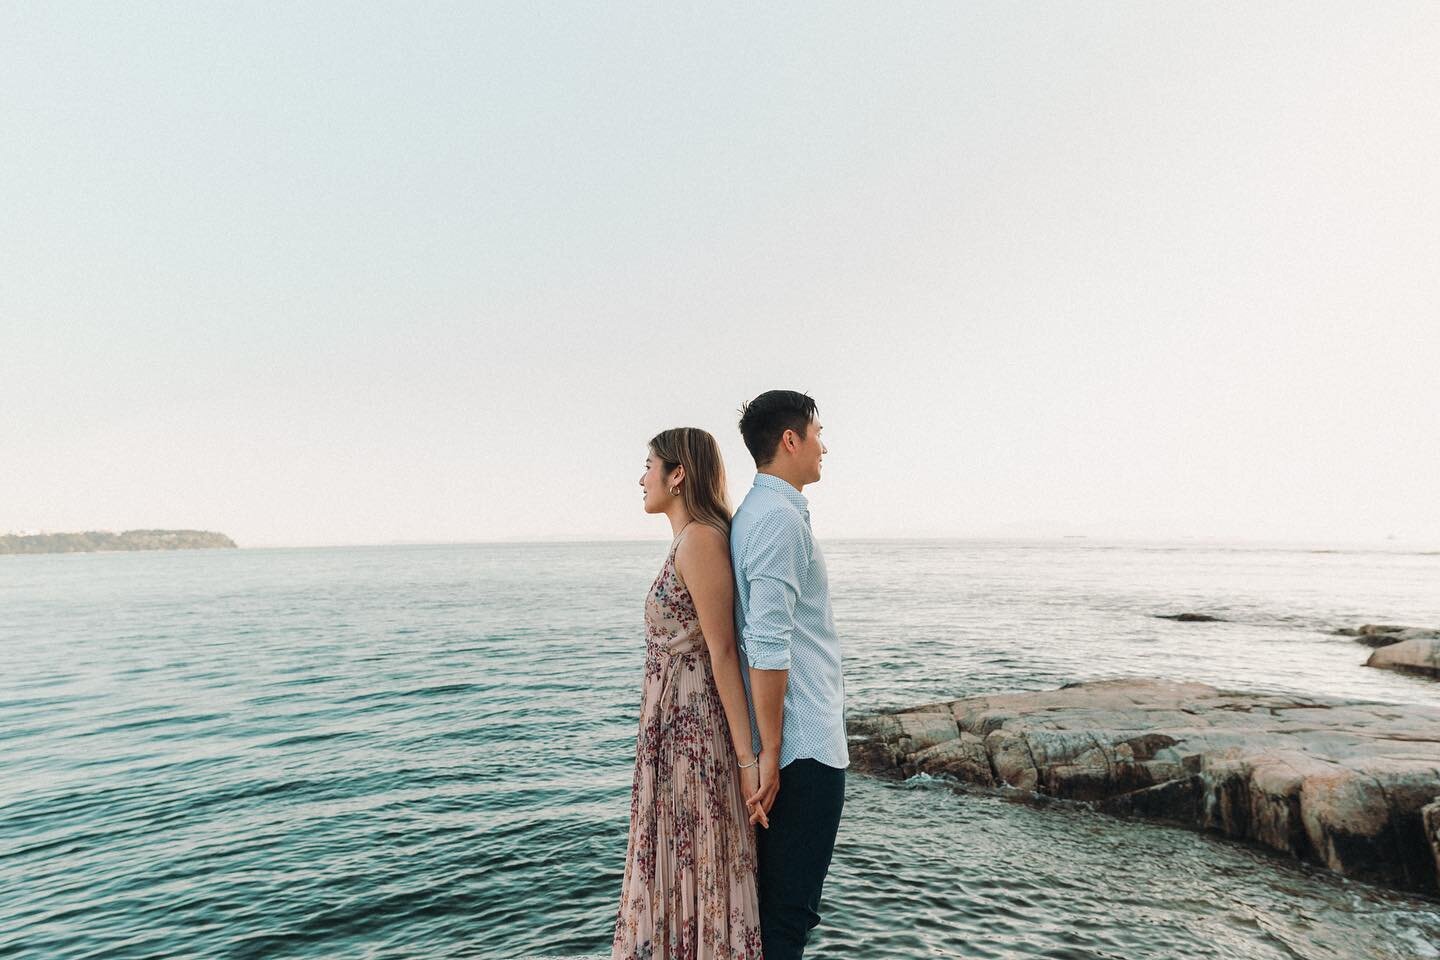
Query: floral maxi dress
[{"x": 689, "y": 888}]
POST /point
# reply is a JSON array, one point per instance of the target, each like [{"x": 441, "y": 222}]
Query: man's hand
[{"x": 763, "y": 798}]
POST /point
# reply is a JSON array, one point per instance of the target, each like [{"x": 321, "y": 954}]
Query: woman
[{"x": 689, "y": 888}]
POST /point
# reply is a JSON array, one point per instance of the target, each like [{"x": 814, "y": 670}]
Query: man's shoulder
[
  {"x": 764, "y": 519},
  {"x": 765, "y": 506}
]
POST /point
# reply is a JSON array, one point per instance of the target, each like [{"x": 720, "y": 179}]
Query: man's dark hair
[{"x": 764, "y": 420}]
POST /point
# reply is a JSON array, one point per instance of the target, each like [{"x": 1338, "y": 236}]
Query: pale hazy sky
[{"x": 355, "y": 273}]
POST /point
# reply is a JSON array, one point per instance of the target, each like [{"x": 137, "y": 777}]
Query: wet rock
[
  {"x": 1419, "y": 654},
  {"x": 1336, "y": 782},
  {"x": 1370, "y": 630},
  {"x": 1378, "y": 639},
  {"x": 1430, "y": 818},
  {"x": 964, "y": 757},
  {"x": 1191, "y": 617},
  {"x": 1384, "y": 634}
]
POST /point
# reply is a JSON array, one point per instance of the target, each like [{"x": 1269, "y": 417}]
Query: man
[{"x": 790, "y": 660}]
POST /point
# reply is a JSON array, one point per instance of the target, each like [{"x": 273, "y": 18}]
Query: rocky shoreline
[{"x": 1350, "y": 785}]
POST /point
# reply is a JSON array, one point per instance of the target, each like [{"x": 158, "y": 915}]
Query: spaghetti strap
[
  {"x": 676, "y": 542},
  {"x": 670, "y": 558}
]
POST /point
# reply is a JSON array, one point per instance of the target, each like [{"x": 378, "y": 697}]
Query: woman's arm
[{"x": 703, "y": 562}]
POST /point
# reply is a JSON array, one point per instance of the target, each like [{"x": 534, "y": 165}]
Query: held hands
[
  {"x": 750, "y": 785},
  {"x": 761, "y": 783}
]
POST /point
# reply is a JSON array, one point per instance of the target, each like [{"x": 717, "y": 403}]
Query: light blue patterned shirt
[{"x": 782, "y": 610}]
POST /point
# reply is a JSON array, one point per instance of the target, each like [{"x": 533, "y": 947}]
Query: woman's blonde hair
[{"x": 703, "y": 488}]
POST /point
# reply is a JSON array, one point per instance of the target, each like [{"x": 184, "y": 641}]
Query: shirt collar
[{"x": 784, "y": 489}]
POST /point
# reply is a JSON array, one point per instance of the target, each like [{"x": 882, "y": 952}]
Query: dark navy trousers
[{"x": 793, "y": 854}]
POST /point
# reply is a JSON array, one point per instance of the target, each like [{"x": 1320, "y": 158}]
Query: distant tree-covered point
[{"x": 93, "y": 540}]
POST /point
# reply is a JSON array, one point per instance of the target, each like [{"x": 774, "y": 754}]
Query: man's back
[{"x": 782, "y": 610}]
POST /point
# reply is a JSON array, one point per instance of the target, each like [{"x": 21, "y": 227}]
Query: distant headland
[{"x": 95, "y": 540}]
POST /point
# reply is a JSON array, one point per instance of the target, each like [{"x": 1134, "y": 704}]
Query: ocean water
[{"x": 427, "y": 751}]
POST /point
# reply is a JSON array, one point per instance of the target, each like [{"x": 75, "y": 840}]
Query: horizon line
[{"x": 1399, "y": 545}]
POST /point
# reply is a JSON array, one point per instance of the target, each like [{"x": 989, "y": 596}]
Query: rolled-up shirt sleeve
[{"x": 777, "y": 558}]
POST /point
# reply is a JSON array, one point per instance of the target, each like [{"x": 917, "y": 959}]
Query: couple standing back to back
[{"x": 740, "y": 755}]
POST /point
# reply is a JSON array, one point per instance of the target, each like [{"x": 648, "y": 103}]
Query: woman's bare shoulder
[{"x": 703, "y": 544}]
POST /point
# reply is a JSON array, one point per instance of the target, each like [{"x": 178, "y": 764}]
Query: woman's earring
[{"x": 674, "y": 492}]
